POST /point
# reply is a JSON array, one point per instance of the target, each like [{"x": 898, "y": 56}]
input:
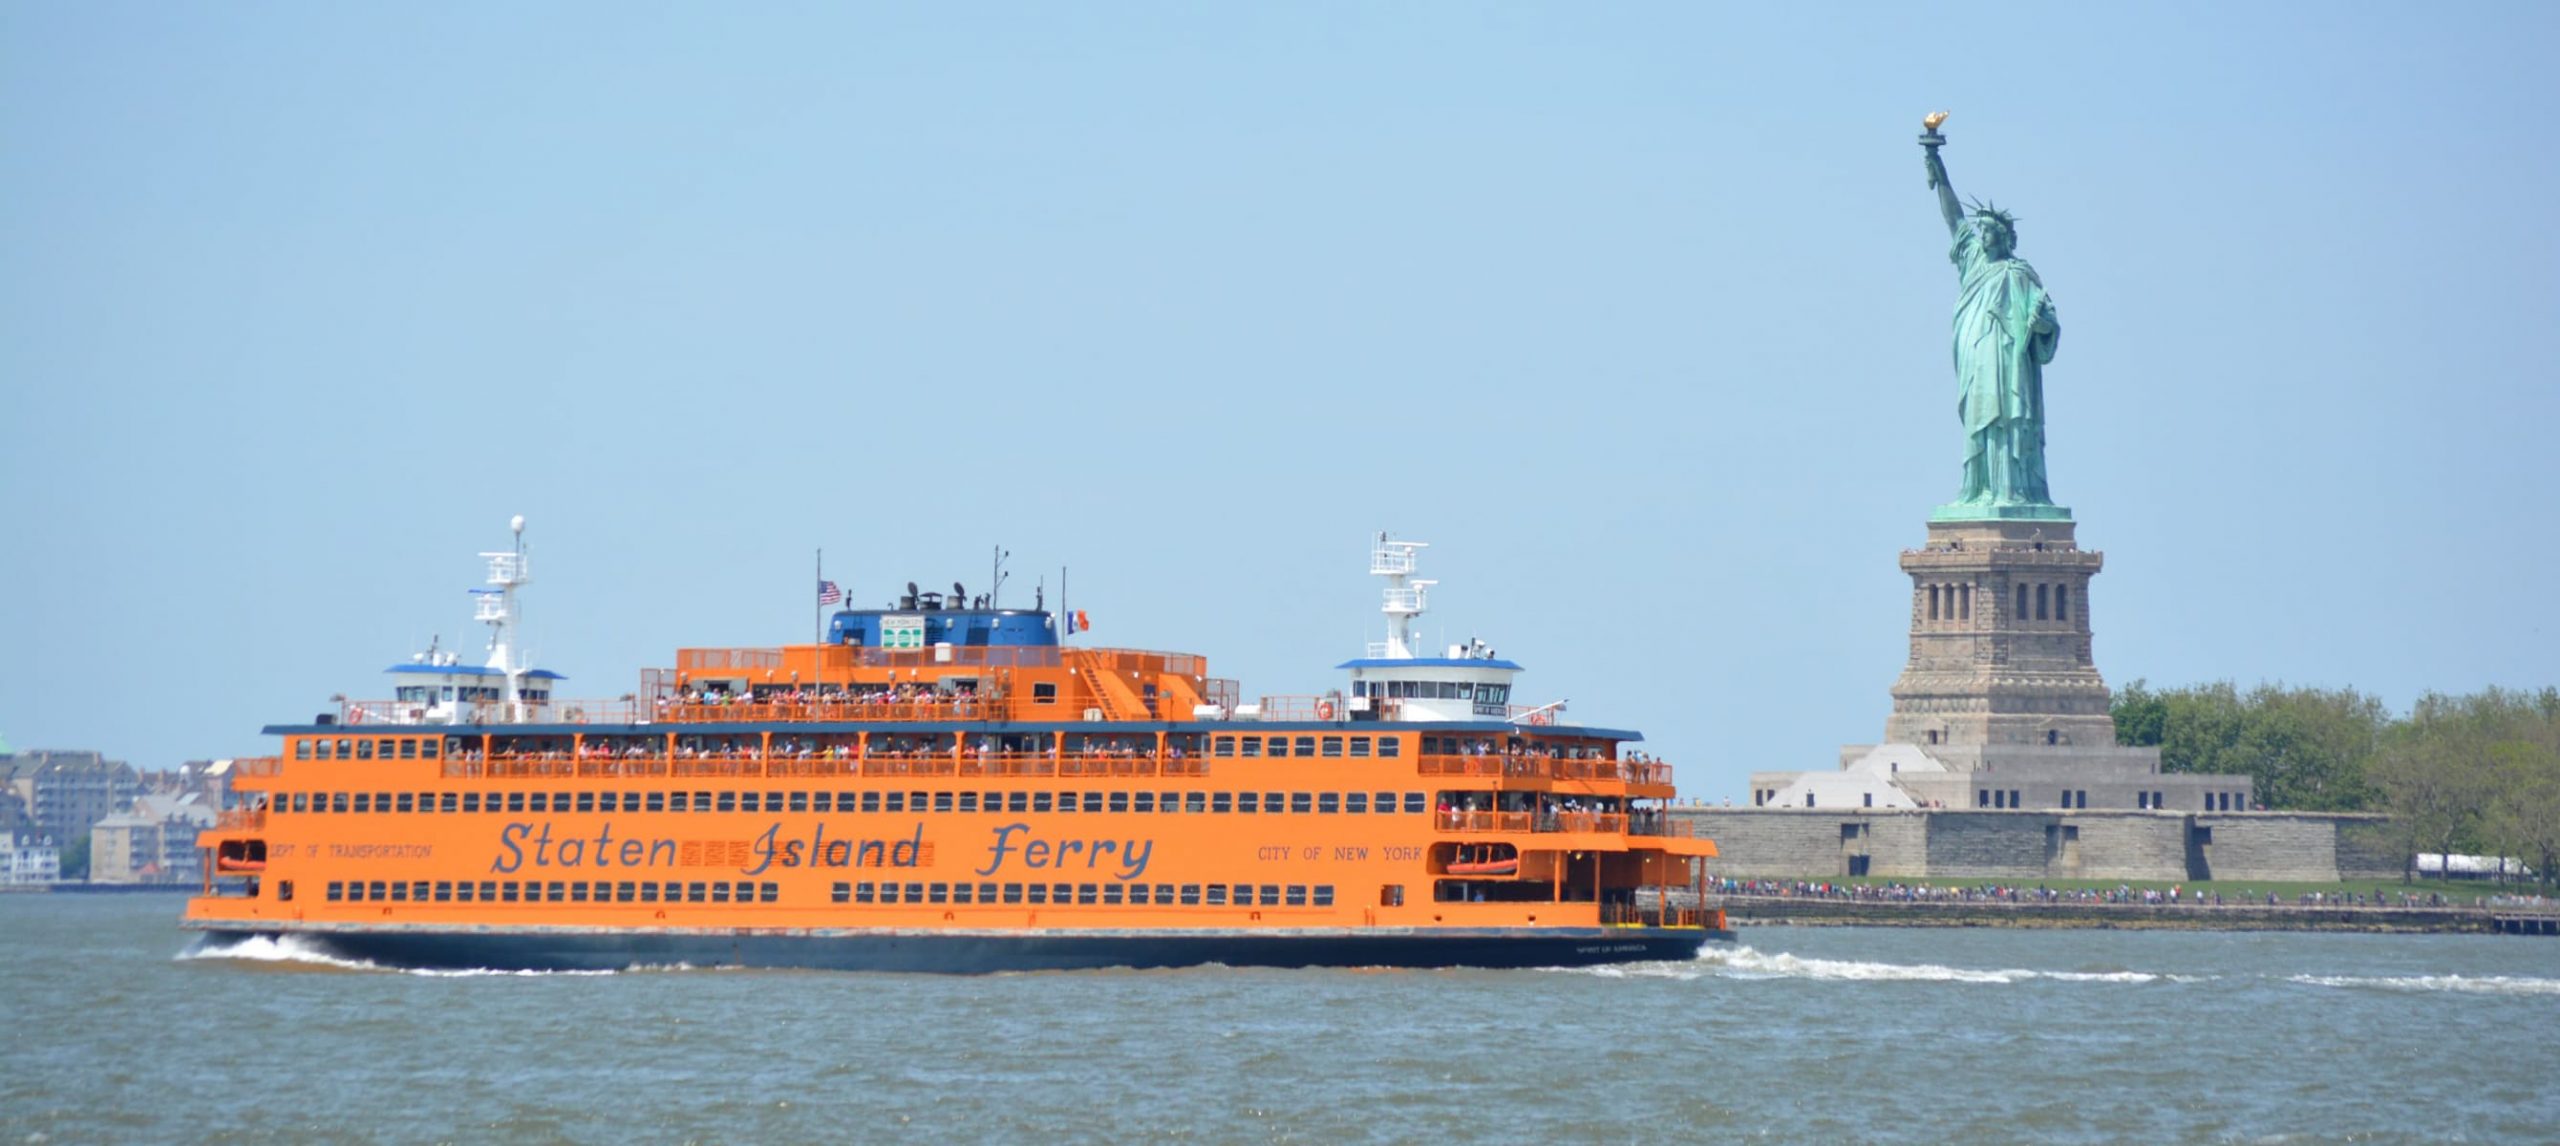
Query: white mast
[
  {"x": 1406, "y": 598},
  {"x": 507, "y": 571}
]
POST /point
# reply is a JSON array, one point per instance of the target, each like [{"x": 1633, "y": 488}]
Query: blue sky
[{"x": 1637, "y": 313}]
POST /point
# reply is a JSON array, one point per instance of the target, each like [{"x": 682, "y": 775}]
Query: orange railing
[
  {"x": 1631, "y": 915},
  {"x": 549, "y": 766},
  {"x": 241, "y": 819},
  {"x": 1614, "y": 823},
  {"x": 257, "y": 766},
  {"x": 1531, "y": 766}
]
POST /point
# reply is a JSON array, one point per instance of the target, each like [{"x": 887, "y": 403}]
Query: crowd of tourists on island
[{"x": 2175, "y": 895}]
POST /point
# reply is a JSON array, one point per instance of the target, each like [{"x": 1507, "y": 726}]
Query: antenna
[{"x": 996, "y": 576}]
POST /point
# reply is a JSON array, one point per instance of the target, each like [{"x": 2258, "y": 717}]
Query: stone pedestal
[{"x": 1999, "y": 644}]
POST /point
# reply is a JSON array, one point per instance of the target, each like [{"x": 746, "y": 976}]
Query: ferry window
[
  {"x": 768, "y": 892},
  {"x": 1044, "y": 692},
  {"x": 1248, "y": 802},
  {"x": 1270, "y": 895},
  {"x": 1062, "y": 894},
  {"x": 471, "y": 802},
  {"x": 968, "y": 801},
  {"x": 302, "y": 801},
  {"x": 447, "y": 802},
  {"x": 773, "y": 801},
  {"x": 328, "y": 750},
  {"x": 1324, "y": 895},
  {"x": 1333, "y": 746},
  {"x": 1392, "y": 895},
  {"x": 1390, "y": 745},
  {"x": 676, "y": 802},
  {"x": 747, "y": 802},
  {"x": 578, "y": 892},
  {"x": 1013, "y": 893},
  {"x": 346, "y": 749},
  {"x": 1087, "y": 893},
  {"x": 1066, "y": 801},
  {"x": 1414, "y": 805},
  {"x": 702, "y": 801},
  {"x": 400, "y": 892},
  {"x": 1194, "y": 802},
  {"x": 1355, "y": 802},
  {"x": 556, "y": 891},
  {"x": 1092, "y": 801},
  {"x": 1138, "y": 894},
  {"x": 1145, "y": 802},
  {"x": 408, "y": 748},
  {"x": 1016, "y": 801},
  {"x": 942, "y": 801},
  {"x": 508, "y": 889},
  {"x": 937, "y": 893},
  {"x": 488, "y": 890},
  {"x": 986, "y": 893},
  {"x": 1395, "y": 689},
  {"x": 364, "y": 749},
  {"x": 586, "y": 801},
  {"x": 1271, "y": 803},
  {"x": 841, "y": 893},
  {"x": 963, "y": 892},
  {"x": 1359, "y": 746},
  {"x": 625, "y": 892},
  {"x": 863, "y": 893},
  {"x": 338, "y": 802},
  {"x": 1251, "y": 745},
  {"x": 1297, "y": 895},
  {"x": 649, "y": 892},
  {"x": 407, "y": 802},
  {"x": 728, "y": 801},
  {"x": 896, "y": 802},
  {"x": 1119, "y": 801},
  {"x": 336, "y": 892},
  {"x": 538, "y": 802},
  {"x": 823, "y": 802},
  {"x": 719, "y": 891},
  {"x": 871, "y": 801},
  {"x": 1217, "y": 895},
  {"x": 427, "y": 747},
  {"x": 1279, "y": 746},
  {"x": 1164, "y": 895},
  {"x": 695, "y": 893},
  {"x": 1301, "y": 803},
  {"x": 1328, "y": 803},
  {"x": 301, "y": 748},
  {"x": 1111, "y": 893},
  {"x": 364, "y": 802},
  {"x": 1038, "y": 893},
  {"x": 1224, "y": 746},
  {"x": 462, "y": 892},
  {"x": 1039, "y": 801}
]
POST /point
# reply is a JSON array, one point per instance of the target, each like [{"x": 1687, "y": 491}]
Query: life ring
[
  {"x": 355, "y": 715},
  {"x": 1542, "y": 717},
  {"x": 1324, "y": 710}
]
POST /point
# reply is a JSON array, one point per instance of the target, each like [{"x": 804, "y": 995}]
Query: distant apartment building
[
  {"x": 27, "y": 858},
  {"x": 154, "y": 842},
  {"x": 71, "y": 791}
]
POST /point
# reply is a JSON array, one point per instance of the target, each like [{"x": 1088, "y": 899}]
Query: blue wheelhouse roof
[
  {"x": 471, "y": 670},
  {"x": 1429, "y": 662}
]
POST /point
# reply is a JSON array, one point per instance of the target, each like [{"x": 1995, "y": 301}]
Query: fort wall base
[{"x": 2010, "y": 846}]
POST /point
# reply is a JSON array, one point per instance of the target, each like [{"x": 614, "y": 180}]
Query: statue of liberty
[{"x": 2005, "y": 333}]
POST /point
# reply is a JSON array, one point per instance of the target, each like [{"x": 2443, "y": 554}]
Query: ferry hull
[{"x": 986, "y": 953}]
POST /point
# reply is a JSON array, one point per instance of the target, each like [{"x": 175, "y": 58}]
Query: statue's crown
[{"x": 1991, "y": 213}]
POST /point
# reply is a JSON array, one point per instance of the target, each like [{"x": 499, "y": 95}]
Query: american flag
[{"x": 828, "y": 594}]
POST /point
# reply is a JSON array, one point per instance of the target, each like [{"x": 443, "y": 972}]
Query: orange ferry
[{"x": 946, "y": 785}]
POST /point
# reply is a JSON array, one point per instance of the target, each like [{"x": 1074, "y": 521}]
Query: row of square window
[
  {"x": 1105, "y": 894},
  {"x": 555, "y": 891},
  {"x": 1309, "y": 746},
  {"x": 1323, "y": 803},
  {"x": 364, "y": 747}
]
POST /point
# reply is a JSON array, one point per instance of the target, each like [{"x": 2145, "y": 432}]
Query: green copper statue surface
[{"x": 2005, "y": 332}]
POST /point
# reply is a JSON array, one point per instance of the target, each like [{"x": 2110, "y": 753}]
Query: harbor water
[{"x": 122, "y": 1030}]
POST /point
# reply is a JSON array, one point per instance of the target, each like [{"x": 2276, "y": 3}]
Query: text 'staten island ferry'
[{"x": 946, "y": 786}]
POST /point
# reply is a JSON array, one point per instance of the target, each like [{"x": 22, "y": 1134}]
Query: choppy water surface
[{"x": 116, "y": 1031}]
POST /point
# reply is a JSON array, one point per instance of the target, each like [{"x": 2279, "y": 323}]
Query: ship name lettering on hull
[{"x": 1128, "y": 857}]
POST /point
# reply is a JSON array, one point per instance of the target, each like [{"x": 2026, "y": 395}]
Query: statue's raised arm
[{"x": 1930, "y": 142}]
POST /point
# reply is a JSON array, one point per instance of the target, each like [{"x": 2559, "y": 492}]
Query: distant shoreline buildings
[{"x": 73, "y": 816}]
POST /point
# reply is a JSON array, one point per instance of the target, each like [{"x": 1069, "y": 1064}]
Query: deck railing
[
  {"x": 241, "y": 819},
  {"x": 1632, "y": 915},
  {"x": 938, "y": 764},
  {"x": 1614, "y": 823},
  {"x": 1531, "y": 766}
]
